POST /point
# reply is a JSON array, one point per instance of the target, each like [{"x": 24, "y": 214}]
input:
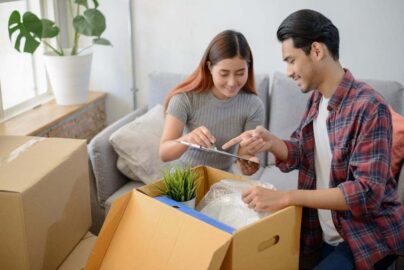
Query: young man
[{"x": 342, "y": 150}]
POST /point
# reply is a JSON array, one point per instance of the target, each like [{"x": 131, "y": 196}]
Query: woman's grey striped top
[{"x": 225, "y": 119}]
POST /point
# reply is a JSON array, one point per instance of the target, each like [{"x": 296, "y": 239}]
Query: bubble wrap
[{"x": 223, "y": 203}]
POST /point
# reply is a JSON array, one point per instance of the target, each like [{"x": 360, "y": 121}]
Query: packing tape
[{"x": 21, "y": 149}]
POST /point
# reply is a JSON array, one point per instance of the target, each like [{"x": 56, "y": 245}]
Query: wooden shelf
[{"x": 41, "y": 118}]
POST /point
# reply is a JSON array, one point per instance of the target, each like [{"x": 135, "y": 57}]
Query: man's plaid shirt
[{"x": 360, "y": 133}]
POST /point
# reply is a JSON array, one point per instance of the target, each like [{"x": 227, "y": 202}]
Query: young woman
[{"x": 214, "y": 104}]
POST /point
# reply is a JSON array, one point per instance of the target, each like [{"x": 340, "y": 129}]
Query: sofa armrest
[{"x": 103, "y": 159}]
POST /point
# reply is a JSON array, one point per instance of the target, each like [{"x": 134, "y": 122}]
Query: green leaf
[
  {"x": 102, "y": 41},
  {"x": 81, "y": 3},
  {"x": 13, "y": 21},
  {"x": 32, "y": 24},
  {"x": 49, "y": 29},
  {"x": 95, "y": 3},
  {"x": 180, "y": 184},
  {"x": 91, "y": 23},
  {"x": 29, "y": 29}
]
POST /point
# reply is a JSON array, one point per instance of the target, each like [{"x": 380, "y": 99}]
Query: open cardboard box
[{"x": 141, "y": 232}]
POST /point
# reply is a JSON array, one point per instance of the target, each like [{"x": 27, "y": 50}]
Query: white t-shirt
[{"x": 322, "y": 163}]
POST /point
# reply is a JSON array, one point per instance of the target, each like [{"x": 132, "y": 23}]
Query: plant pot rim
[{"x": 67, "y": 51}]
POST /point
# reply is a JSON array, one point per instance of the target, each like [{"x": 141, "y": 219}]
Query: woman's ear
[{"x": 209, "y": 64}]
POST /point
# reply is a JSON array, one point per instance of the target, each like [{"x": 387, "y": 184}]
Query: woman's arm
[
  {"x": 169, "y": 149},
  {"x": 173, "y": 130}
]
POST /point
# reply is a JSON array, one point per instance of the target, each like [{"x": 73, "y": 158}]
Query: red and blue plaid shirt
[{"x": 360, "y": 133}]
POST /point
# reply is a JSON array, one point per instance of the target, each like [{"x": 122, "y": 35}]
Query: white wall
[
  {"x": 112, "y": 66},
  {"x": 171, "y": 35}
]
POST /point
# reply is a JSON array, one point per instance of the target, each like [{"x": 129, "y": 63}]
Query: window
[{"x": 23, "y": 83}]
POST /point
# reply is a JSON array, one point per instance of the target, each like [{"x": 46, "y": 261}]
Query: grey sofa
[{"x": 283, "y": 101}]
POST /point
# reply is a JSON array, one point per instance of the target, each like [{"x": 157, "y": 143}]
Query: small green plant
[
  {"x": 32, "y": 30},
  {"x": 180, "y": 184}
]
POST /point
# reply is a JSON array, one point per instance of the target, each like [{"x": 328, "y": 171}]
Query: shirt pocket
[{"x": 339, "y": 165}]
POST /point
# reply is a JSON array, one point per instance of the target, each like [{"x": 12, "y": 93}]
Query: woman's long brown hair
[{"x": 225, "y": 45}]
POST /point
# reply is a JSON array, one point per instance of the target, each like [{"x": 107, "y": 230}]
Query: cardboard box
[
  {"x": 44, "y": 200},
  {"x": 141, "y": 232}
]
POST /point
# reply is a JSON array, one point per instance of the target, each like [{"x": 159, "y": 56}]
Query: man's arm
[
  {"x": 262, "y": 199},
  {"x": 331, "y": 198},
  {"x": 369, "y": 162}
]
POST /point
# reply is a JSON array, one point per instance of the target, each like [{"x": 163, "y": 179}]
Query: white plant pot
[
  {"x": 69, "y": 76},
  {"x": 190, "y": 203}
]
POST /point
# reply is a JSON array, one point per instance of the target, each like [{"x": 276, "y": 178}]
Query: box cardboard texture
[
  {"x": 143, "y": 233},
  {"x": 44, "y": 200}
]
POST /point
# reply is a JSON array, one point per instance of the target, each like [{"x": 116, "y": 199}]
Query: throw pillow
[
  {"x": 137, "y": 146},
  {"x": 397, "y": 151}
]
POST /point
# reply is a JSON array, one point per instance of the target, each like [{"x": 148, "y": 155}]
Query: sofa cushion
[
  {"x": 160, "y": 83},
  {"x": 392, "y": 92},
  {"x": 262, "y": 87},
  {"x": 287, "y": 105},
  {"x": 137, "y": 145}
]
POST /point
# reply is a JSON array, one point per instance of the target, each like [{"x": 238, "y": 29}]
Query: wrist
[
  {"x": 270, "y": 143},
  {"x": 268, "y": 146},
  {"x": 291, "y": 198},
  {"x": 184, "y": 138}
]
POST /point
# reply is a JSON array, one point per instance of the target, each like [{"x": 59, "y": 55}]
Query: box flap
[
  {"x": 143, "y": 233},
  {"x": 107, "y": 232},
  {"x": 36, "y": 156}
]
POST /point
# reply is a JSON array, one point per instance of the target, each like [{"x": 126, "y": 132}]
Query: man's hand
[
  {"x": 252, "y": 141},
  {"x": 262, "y": 199}
]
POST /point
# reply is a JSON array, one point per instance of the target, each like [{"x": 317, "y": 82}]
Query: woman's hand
[
  {"x": 251, "y": 142},
  {"x": 200, "y": 136},
  {"x": 248, "y": 167}
]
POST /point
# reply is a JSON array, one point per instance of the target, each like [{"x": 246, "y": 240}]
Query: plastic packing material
[{"x": 223, "y": 202}]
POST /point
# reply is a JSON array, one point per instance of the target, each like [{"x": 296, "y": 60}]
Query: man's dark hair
[{"x": 307, "y": 26}]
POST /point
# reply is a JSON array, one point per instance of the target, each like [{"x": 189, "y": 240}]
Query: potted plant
[
  {"x": 68, "y": 69},
  {"x": 180, "y": 185}
]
